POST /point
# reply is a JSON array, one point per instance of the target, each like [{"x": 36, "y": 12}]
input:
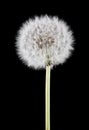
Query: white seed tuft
[{"x": 44, "y": 40}]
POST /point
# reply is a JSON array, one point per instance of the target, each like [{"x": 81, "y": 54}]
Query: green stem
[{"x": 47, "y": 99}]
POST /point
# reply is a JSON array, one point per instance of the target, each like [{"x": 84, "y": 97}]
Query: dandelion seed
[{"x": 44, "y": 36}]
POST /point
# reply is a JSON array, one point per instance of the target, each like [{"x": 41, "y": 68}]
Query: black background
[{"x": 23, "y": 94}]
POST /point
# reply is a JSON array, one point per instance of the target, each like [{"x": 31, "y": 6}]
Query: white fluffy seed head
[{"x": 44, "y": 40}]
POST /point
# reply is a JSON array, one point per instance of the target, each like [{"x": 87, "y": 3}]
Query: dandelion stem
[{"x": 47, "y": 98}]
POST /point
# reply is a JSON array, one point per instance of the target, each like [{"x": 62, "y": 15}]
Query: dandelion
[{"x": 44, "y": 42}]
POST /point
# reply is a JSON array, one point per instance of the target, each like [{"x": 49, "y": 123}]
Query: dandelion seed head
[{"x": 44, "y": 40}]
